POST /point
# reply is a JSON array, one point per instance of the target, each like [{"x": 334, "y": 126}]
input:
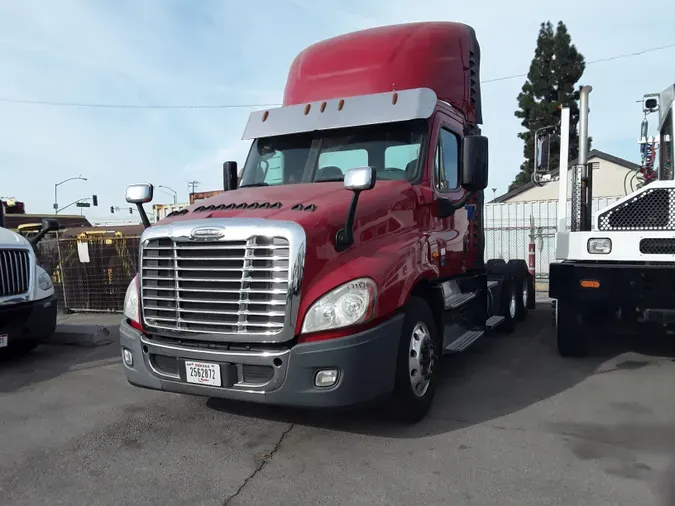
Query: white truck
[
  {"x": 27, "y": 301},
  {"x": 616, "y": 269}
]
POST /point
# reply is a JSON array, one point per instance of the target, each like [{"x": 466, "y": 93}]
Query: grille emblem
[{"x": 207, "y": 233}]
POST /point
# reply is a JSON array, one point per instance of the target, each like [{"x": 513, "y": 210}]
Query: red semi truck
[{"x": 348, "y": 257}]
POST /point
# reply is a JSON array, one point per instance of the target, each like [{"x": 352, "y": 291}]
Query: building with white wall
[{"x": 612, "y": 177}]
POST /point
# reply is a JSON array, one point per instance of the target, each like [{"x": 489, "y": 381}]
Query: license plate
[
  {"x": 202, "y": 373},
  {"x": 4, "y": 339}
]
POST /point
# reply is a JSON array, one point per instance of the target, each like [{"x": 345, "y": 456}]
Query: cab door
[{"x": 449, "y": 234}]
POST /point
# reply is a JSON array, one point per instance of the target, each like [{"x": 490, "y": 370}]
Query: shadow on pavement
[
  {"x": 499, "y": 375},
  {"x": 49, "y": 361}
]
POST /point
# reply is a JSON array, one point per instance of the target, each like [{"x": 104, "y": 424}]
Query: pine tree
[{"x": 551, "y": 82}]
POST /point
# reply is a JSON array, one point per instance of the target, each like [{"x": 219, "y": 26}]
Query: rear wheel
[
  {"x": 509, "y": 306},
  {"x": 521, "y": 280},
  {"x": 417, "y": 364}
]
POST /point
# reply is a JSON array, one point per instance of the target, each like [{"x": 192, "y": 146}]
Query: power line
[
  {"x": 251, "y": 106},
  {"x": 132, "y": 106},
  {"x": 600, "y": 60}
]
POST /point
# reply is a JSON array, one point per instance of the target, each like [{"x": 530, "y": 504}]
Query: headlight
[
  {"x": 131, "y": 301},
  {"x": 600, "y": 246},
  {"x": 44, "y": 281},
  {"x": 348, "y": 304}
]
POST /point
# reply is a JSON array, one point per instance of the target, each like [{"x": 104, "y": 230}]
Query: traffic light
[
  {"x": 94, "y": 200},
  {"x": 112, "y": 210}
]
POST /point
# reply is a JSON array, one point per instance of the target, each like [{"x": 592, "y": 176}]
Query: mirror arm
[
  {"x": 143, "y": 215},
  {"x": 462, "y": 202},
  {"x": 38, "y": 237},
  {"x": 454, "y": 206},
  {"x": 345, "y": 236}
]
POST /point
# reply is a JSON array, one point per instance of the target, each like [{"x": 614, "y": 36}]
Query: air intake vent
[
  {"x": 177, "y": 213},
  {"x": 650, "y": 210},
  {"x": 473, "y": 79},
  {"x": 657, "y": 246},
  {"x": 300, "y": 207},
  {"x": 242, "y": 205}
]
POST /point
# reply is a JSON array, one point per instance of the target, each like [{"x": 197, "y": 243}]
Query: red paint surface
[
  {"x": 432, "y": 55},
  {"x": 398, "y": 234},
  {"x": 392, "y": 235}
]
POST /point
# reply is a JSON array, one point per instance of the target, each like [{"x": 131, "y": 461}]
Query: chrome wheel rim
[
  {"x": 421, "y": 359},
  {"x": 526, "y": 292},
  {"x": 513, "y": 305}
]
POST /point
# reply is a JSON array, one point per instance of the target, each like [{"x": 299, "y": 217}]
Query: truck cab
[
  {"x": 27, "y": 301},
  {"x": 347, "y": 257}
]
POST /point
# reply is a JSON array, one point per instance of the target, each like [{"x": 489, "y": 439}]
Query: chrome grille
[
  {"x": 14, "y": 272},
  {"x": 215, "y": 287}
]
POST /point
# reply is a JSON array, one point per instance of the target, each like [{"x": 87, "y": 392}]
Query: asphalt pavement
[{"x": 513, "y": 424}]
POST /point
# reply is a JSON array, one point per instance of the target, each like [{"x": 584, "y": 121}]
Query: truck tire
[
  {"x": 493, "y": 263},
  {"x": 521, "y": 277},
  {"x": 571, "y": 333},
  {"x": 508, "y": 305},
  {"x": 418, "y": 359},
  {"x": 508, "y": 295}
]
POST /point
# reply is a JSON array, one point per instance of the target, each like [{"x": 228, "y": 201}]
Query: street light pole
[
  {"x": 175, "y": 193},
  {"x": 56, "y": 186}
]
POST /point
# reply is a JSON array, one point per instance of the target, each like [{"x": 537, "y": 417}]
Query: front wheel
[
  {"x": 417, "y": 363},
  {"x": 571, "y": 329}
]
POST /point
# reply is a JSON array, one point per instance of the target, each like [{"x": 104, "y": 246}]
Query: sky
[{"x": 187, "y": 52}]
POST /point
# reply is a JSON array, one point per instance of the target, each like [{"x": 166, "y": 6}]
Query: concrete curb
[{"x": 88, "y": 335}]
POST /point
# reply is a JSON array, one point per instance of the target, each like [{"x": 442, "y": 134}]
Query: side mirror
[
  {"x": 48, "y": 225},
  {"x": 357, "y": 180},
  {"x": 140, "y": 193},
  {"x": 474, "y": 163},
  {"x": 230, "y": 176},
  {"x": 360, "y": 179},
  {"x": 543, "y": 153}
]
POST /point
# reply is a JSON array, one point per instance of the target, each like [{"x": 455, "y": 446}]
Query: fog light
[
  {"x": 326, "y": 378},
  {"x": 128, "y": 357}
]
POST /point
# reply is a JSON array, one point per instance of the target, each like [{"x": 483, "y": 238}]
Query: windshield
[{"x": 393, "y": 149}]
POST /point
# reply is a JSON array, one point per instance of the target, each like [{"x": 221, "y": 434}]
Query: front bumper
[
  {"x": 366, "y": 362},
  {"x": 621, "y": 284},
  {"x": 29, "y": 320}
]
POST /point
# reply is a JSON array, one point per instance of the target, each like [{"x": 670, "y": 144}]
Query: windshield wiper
[
  {"x": 252, "y": 185},
  {"x": 329, "y": 180}
]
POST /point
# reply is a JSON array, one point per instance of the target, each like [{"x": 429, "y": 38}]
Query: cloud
[{"x": 209, "y": 52}]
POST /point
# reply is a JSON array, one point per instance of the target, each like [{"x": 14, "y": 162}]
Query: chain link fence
[
  {"x": 90, "y": 272},
  {"x": 512, "y": 226}
]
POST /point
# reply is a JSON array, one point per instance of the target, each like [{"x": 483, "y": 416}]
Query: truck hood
[
  {"x": 321, "y": 209},
  {"x": 9, "y": 238},
  {"x": 311, "y": 205}
]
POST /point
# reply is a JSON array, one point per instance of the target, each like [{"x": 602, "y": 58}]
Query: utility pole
[{"x": 192, "y": 185}]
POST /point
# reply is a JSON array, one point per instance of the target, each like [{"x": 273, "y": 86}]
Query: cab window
[{"x": 446, "y": 161}]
